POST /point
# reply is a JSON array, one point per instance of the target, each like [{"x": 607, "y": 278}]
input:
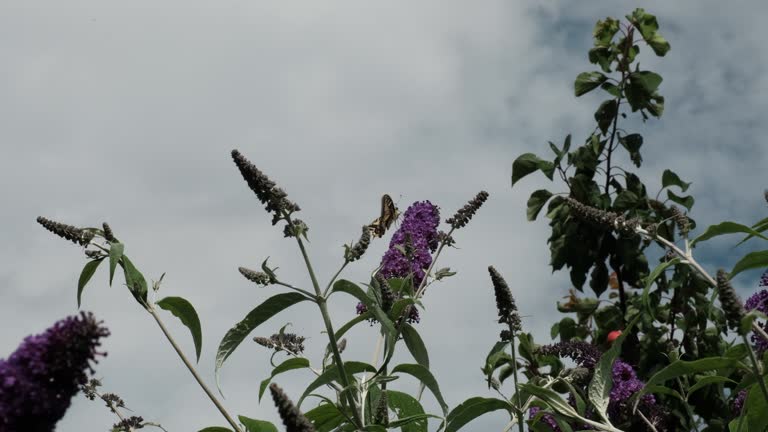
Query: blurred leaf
[
  {"x": 332, "y": 374},
  {"x": 599, "y": 390},
  {"x": 588, "y": 81},
  {"x": 115, "y": 253},
  {"x": 651, "y": 279},
  {"x": 708, "y": 380},
  {"x": 352, "y": 289},
  {"x": 424, "y": 375},
  {"x": 755, "y": 407},
  {"x": 632, "y": 144},
  {"x": 471, "y": 409},
  {"x": 726, "y": 228},
  {"x": 183, "y": 310},
  {"x": 325, "y": 417},
  {"x": 215, "y": 429},
  {"x": 288, "y": 365},
  {"x": 253, "y": 425},
  {"x": 552, "y": 399},
  {"x": 271, "y": 307},
  {"x": 528, "y": 163},
  {"x": 88, "y": 270},
  {"x": 686, "y": 201},
  {"x": 415, "y": 345},
  {"x": 605, "y": 114},
  {"x": 536, "y": 202},
  {"x": 669, "y": 178},
  {"x": 137, "y": 285},
  {"x": 405, "y": 406},
  {"x": 751, "y": 260}
]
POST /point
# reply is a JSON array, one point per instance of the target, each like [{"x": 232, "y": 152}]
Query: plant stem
[
  {"x": 192, "y": 370},
  {"x": 321, "y": 303},
  {"x": 756, "y": 368},
  {"x": 333, "y": 279},
  {"x": 514, "y": 375}
]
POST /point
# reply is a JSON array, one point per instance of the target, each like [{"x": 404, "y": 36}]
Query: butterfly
[{"x": 389, "y": 214}]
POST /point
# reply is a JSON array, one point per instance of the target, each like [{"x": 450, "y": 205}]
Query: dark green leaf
[
  {"x": 288, "y": 365},
  {"x": 115, "y": 253},
  {"x": 425, "y": 376},
  {"x": 599, "y": 391},
  {"x": 750, "y": 261},
  {"x": 649, "y": 281},
  {"x": 588, "y": 81},
  {"x": 648, "y": 80},
  {"x": 605, "y": 114},
  {"x": 137, "y": 285},
  {"x": 471, "y": 409},
  {"x": 325, "y": 417},
  {"x": 253, "y": 425},
  {"x": 415, "y": 345},
  {"x": 332, "y": 374},
  {"x": 756, "y": 407},
  {"x": 686, "y": 201},
  {"x": 408, "y": 420},
  {"x": 528, "y": 163},
  {"x": 536, "y": 202},
  {"x": 256, "y": 317},
  {"x": 551, "y": 398},
  {"x": 352, "y": 289},
  {"x": 707, "y": 380},
  {"x": 405, "y": 406},
  {"x": 183, "y": 310},
  {"x": 726, "y": 228},
  {"x": 669, "y": 178},
  {"x": 632, "y": 144},
  {"x": 88, "y": 270}
]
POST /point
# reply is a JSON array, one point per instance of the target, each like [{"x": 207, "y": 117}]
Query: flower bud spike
[
  {"x": 258, "y": 278},
  {"x": 505, "y": 303},
  {"x": 265, "y": 189},
  {"x": 293, "y": 419},
  {"x": 464, "y": 214},
  {"x": 732, "y": 306},
  {"x": 108, "y": 234},
  {"x": 356, "y": 251},
  {"x": 68, "y": 232}
]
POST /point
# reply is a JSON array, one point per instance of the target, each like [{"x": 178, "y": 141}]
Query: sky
[{"x": 127, "y": 113}]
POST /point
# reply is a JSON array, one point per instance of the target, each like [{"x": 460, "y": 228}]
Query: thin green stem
[
  {"x": 333, "y": 279},
  {"x": 321, "y": 303},
  {"x": 299, "y": 290},
  {"x": 514, "y": 375},
  {"x": 756, "y": 368},
  {"x": 192, "y": 370}
]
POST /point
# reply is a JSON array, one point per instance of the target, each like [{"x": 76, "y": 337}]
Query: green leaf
[
  {"x": 332, "y": 374},
  {"x": 648, "y": 80},
  {"x": 352, "y": 289},
  {"x": 288, "y": 365},
  {"x": 648, "y": 26},
  {"x": 411, "y": 419},
  {"x": 707, "y": 380},
  {"x": 682, "y": 368},
  {"x": 271, "y": 307},
  {"x": 325, "y": 417},
  {"x": 115, "y": 253},
  {"x": 415, "y": 345},
  {"x": 750, "y": 261},
  {"x": 755, "y": 408},
  {"x": 632, "y": 144},
  {"x": 528, "y": 163},
  {"x": 183, "y": 310},
  {"x": 651, "y": 279},
  {"x": 424, "y": 375},
  {"x": 215, "y": 429},
  {"x": 537, "y": 200},
  {"x": 669, "y": 178},
  {"x": 588, "y": 81},
  {"x": 253, "y": 425},
  {"x": 726, "y": 228},
  {"x": 686, "y": 201},
  {"x": 471, "y": 409},
  {"x": 605, "y": 114},
  {"x": 599, "y": 391},
  {"x": 85, "y": 276},
  {"x": 552, "y": 399},
  {"x": 406, "y": 406},
  {"x": 137, "y": 285}
]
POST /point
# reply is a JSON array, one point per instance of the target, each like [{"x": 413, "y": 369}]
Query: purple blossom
[
  {"x": 764, "y": 279},
  {"x": 759, "y": 301},
  {"x": 549, "y": 419},
  {"x": 418, "y": 232},
  {"x": 625, "y": 384},
  {"x": 38, "y": 380},
  {"x": 738, "y": 403}
]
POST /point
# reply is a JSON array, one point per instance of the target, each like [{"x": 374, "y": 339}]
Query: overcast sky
[{"x": 127, "y": 114}]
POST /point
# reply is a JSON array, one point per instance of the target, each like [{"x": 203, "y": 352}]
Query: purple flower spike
[
  {"x": 764, "y": 279},
  {"x": 547, "y": 419},
  {"x": 420, "y": 223},
  {"x": 738, "y": 403},
  {"x": 759, "y": 301},
  {"x": 38, "y": 380}
]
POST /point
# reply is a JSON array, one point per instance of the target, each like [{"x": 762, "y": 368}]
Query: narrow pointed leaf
[
  {"x": 424, "y": 375},
  {"x": 253, "y": 425},
  {"x": 183, "y": 310},
  {"x": 332, "y": 374},
  {"x": 288, "y": 365},
  {"x": 88, "y": 270},
  {"x": 406, "y": 406},
  {"x": 357, "y": 292},
  {"x": 726, "y": 228},
  {"x": 415, "y": 345},
  {"x": 115, "y": 253},
  {"x": 750, "y": 261},
  {"x": 271, "y": 307},
  {"x": 137, "y": 285},
  {"x": 471, "y": 409}
]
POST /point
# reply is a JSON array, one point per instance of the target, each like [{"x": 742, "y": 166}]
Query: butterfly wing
[{"x": 389, "y": 214}]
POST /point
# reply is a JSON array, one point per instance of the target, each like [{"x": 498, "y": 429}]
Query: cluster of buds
[
  {"x": 464, "y": 214},
  {"x": 295, "y": 228},
  {"x": 108, "y": 234},
  {"x": 505, "y": 303},
  {"x": 387, "y": 296},
  {"x": 293, "y": 419},
  {"x": 265, "y": 189},
  {"x": 604, "y": 218},
  {"x": 729, "y": 300},
  {"x": 129, "y": 424},
  {"x": 68, "y": 232},
  {"x": 282, "y": 342},
  {"x": 583, "y": 353},
  {"x": 259, "y": 278},
  {"x": 681, "y": 220},
  {"x": 443, "y": 237},
  {"x": 356, "y": 251}
]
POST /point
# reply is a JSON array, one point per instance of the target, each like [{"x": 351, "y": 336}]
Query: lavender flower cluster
[
  {"x": 38, "y": 380},
  {"x": 759, "y": 302},
  {"x": 411, "y": 247}
]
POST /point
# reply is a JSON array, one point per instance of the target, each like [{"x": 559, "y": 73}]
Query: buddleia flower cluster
[
  {"x": 464, "y": 214},
  {"x": 285, "y": 341},
  {"x": 583, "y": 353},
  {"x": 75, "y": 235},
  {"x": 265, "y": 189},
  {"x": 759, "y": 302},
  {"x": 293, "y": 419},
  {"x": 38, "y": 380},
  {"x": 505, "y": 304},
  {"x": 729, "y": 300}
]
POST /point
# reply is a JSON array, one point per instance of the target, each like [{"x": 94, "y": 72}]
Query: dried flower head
[
  {"x": 734, "y": 311},
  {"x": 38, "y": 380},
  {"x": 296, "y": 228},
  {"x": 356, "y": 251},
  {"x": 129, "y": 424},
  {"x": 290, "y": 342},
  {"x": 443, "y": 237},
  {"x": 765, "y": 195},
  {"x": 603, "y": 218},
  {"x": 505, "y": 303},
  {"x": 464, "y": 214},
  {"x": 94, "y": 254},
  {"x": 681, "y": 220},
  {"x": 108, "y": 234},
  {"x": 763, "y": 279},
  {"x": 265, "y": 189},
  {"x": 258, "y": 278},
  {"x": 583, "y": 353},
  {"x": 68, "y": 232},
  {"x": 293, "y": 419}
]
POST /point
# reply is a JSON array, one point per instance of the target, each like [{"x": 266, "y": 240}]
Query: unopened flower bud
[
  {"x": 464, "y": 214},
  {"x": 258, "y": 278},
  {"x": 732, "y": 306},
  {"x": 505, "y": 303},
  {"x": 356, "y": 251},
  {"x": 68, "y": 232},
  {"x": 293, "y": 419}
]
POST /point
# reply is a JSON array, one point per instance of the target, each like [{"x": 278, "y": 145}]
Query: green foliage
[{"x": 88, "y": 270}]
